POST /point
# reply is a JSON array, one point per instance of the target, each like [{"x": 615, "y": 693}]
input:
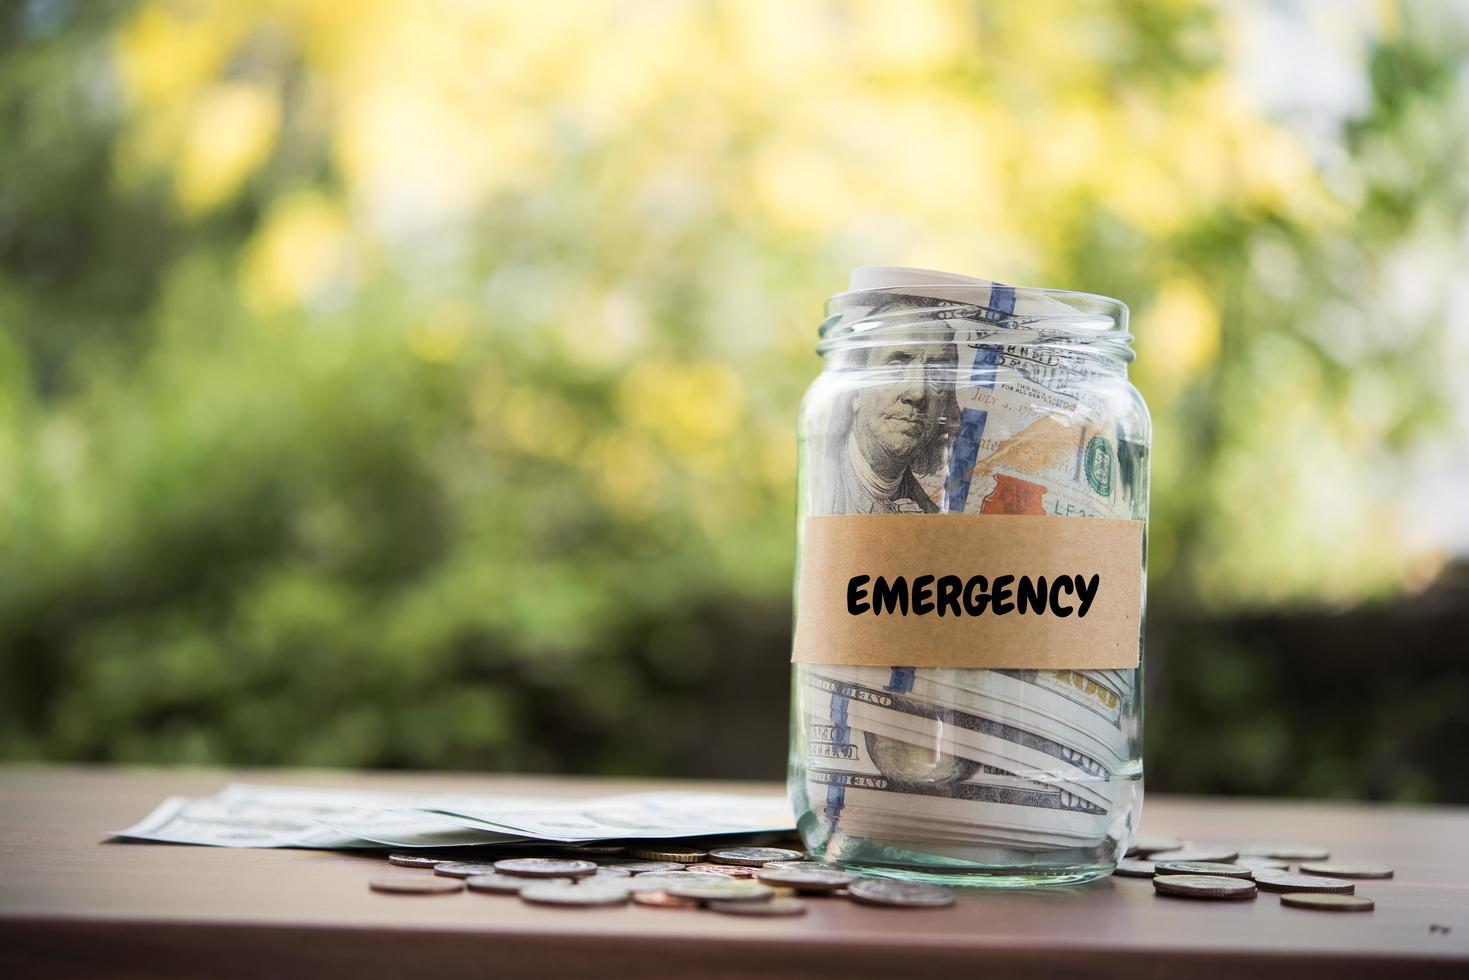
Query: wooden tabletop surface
[{"x": 71, "y": 905}]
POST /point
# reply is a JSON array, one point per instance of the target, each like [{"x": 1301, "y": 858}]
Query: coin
[
  {"x": 1281, "y": 881},
  {"x": 805, "y": 865},
  {"x": 646, "y": 867},
  {"x": 753, "y": 857},
  {"x": 1287, "y": 852},
  {"x": 462, "y": 869},
  {"x": 416, "y": 860},
  {"x": 594, "y": 850},
  {"x": 1224, "y": 855},
  {"x": 546, "y": 867},
  {"x": 720, "y": 889},
  {"x": 905, "y": 894},
  {"x": 1339, "y": 870},
  {"x": 659, "y": 882},
  {"x": 663, "y": 900},
  {"x": 1328, "y": 903},
  {"x": 574, "y": 893},
  {"x": 415, "y": 885},
  {"x": 1202, "y": 868},
  {"x": 1258, "y": 862},
  {"x": 1203, "y": 886},
  {"x": 611, "y": 871},
  {"x": 728, "y": 870},
  {"x": 682, "y": 856},
  {"x": 776, "y": 906},
  {"x": 498, "y": 884},
  {"x": 805, "y": 879},
  {"x": 1143, "y": 846},
  {"x": 1134, "y": 868}
]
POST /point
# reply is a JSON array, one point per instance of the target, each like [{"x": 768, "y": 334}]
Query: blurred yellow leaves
[
  {"x": 231, "y": 132},
  {"x": 303, "y": 248},
  {"x": 1178, "y": 337},
  {"x": 692, "y": 407},
  {"x": 169, "y": 50}
]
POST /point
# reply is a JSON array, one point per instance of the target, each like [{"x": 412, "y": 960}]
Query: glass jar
[{"x": 973, "y": 472}]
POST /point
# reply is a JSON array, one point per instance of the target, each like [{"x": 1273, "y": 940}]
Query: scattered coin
[
  {"x": 1223, "y": 855},
  {"x": 1287, "y": 852},
  {"x": 660, "y": 882},
  {"x": 498, "y": 884},
  {"x": 1281, "y": 881},
  {"x": 1134, "y": 868},
  {"x": 720, "y": 889},
  {"x": 904, "y": 894},
  {"x": 546, "y": 867},
  {"x": 611, "y": 871},
  {"x": 1202, "y": 868},
  {"x": 670, "y": 854},
  {"x": 574, "y": 893},
  {"x": 805, "y": 865},
  {"x": 1340, "y": 870},
  {"x": 646, "y": 867},
  {"x": 753, "y": 857},
  {"x": 415, "y": 885},
  {"x": 1258, "y": 862},
  {"x": 595, "y": 850},
  {"x": 1328, "y": 903},
  {"x": 728, "y": 870},
  {"x": 416, "y": 860},
  {"x": 462, "y": 869},
  {"x": 805, "y": 879},
  {"x": 776, "y": 906},
  {"x": 663, "y": 900},
  {"x": 1143, "y": 846},
  {"x": 1203, "y": 886}
]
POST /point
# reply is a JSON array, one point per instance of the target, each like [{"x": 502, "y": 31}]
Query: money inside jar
[{"x": 966, "y": 702}]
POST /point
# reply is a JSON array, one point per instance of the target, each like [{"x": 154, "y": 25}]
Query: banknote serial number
[{"x": 954, "y": 595}]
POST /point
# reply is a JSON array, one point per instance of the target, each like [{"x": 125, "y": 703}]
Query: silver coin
[
  {"x": 1259, "y": 862},
  {"x": 546, "y": 867},
  {"x": 417, "y": 860},
  {"x": 805, "y": 865},
  {"x": 406, "y": 884},
  {"x": 774, "y": 907},
  {"x": 1328, "y": 903},
  {"x": 462, "y": 869},
  {"x": 904, "y": 894},
  {"x": 720, "y": 889},
  {"x": 660, "y": 882},
  {"x": 611, "y": 871},
  {"x": 1134, "y": 868},
  {"x": 1203, "y": 886},
  {"x": 574, "y": 893},
  {"x": 498, "y": 884},
  {"x": 1287, "y": 852},
  {"x": 1143, "y": 846},
  {"x": 646, "y": 867},
  {"x": 1199, "y": 852},
  {"x": 1281, "y": 881},
  {"x": 1337, "y": 869},
  {"x": 805, "y": 879},
  {"x": 1202, "y": 868},
  {"x": 753, "y": 857},
  {"x": 594, "y": 850}
]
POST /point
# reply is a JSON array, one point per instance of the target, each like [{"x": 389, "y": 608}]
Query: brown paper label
[{"x": 970, "y": 590}]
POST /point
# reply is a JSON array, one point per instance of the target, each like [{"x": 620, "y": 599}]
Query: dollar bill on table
[{"x": 244, "y": 815}]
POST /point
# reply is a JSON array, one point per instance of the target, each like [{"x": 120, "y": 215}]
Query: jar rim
[{"x": 1077, "y": 313}]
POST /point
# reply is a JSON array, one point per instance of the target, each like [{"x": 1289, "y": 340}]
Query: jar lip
[{"x": 1079, "y": 314}]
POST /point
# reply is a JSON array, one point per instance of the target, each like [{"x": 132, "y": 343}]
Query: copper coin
[
  {"x": 774, "y": 907},
  {"x": 1134, "y": 868},
  {"x": 546, "y": 867},
  {"x": 1203, "y": 886},
  {"x": 728, "y": 870},
  {"x": 1202, "y": 868},
  {"x": 1281, "y": 881},
  {"x": 1336, "y": 869},
  {"x": 663, "y": 900},
  {"x": 1328, "y": 903},
  {"x": 415, "y": 885}
]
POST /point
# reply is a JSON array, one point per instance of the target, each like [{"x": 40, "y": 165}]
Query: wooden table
[{"x": 73, "y": 906}]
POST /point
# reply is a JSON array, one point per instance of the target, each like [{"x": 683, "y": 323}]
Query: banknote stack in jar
[{"x": 975, "y": 765}]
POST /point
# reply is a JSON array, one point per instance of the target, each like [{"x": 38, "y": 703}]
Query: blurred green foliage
[{"x": 413, "y": 385}]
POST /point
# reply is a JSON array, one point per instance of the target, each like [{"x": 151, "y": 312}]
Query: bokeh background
[{"x": 399, "y": 383}]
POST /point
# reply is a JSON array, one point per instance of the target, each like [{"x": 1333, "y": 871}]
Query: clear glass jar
[{"x": 946, "y": 395}]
